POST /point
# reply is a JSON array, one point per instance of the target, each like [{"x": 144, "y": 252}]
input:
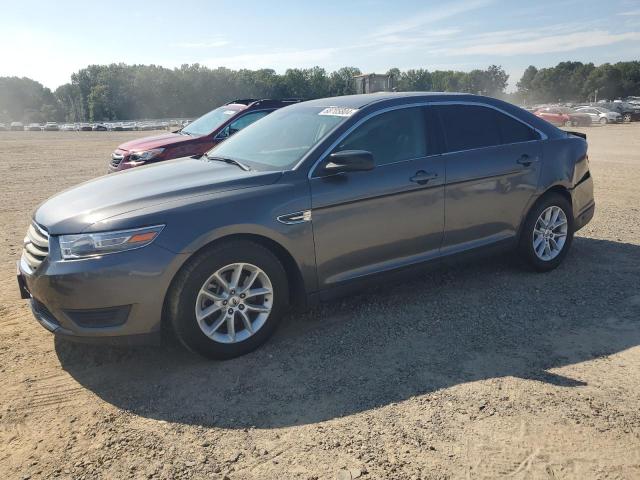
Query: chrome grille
[
  {"x": 116, "y": 158},
  {"x": 36, "y": 246}
]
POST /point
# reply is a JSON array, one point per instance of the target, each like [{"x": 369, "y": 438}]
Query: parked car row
[
  {"x": 564, "y": 116},
  {"x": 96, "y": 127},
  {"x": 628, "y": 111},
  {"x": 585, "y": 114}
]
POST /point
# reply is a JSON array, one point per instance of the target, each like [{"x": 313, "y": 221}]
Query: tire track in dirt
[{"x": 44, "y": 393}]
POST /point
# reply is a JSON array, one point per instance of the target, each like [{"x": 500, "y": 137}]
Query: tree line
[
  {"x": 119, "y": 91},
  {"x": 577, "y": 82},
  {"x": 122, "y": 92}
]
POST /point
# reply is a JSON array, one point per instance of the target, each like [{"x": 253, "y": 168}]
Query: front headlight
[
  {"x": 138, "y": 158},
  {"x": 85, "y": 245}
]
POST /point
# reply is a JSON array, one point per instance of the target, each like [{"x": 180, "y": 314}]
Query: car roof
[
  {"x": 371, "y": 101},
  {"x": 365, "y": 99},
  {"x": 255, "y": 103}
]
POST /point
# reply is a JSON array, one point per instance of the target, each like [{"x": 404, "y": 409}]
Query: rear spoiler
[{"x": 577, "y": 134}]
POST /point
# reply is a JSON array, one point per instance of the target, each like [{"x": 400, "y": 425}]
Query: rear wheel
[
  {"x": 228, "y": 300},
  {"x": 568, "y": 123},
  {"x": 547, "y": 233}
]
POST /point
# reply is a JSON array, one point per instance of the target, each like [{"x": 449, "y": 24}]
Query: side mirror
[{"x": 349, "y": 161}]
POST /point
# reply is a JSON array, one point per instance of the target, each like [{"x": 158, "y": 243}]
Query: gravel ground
[{"x": 481, "y": 370}]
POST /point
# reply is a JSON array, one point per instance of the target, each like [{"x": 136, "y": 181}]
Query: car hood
[
  {"x": 76, "y": 209},
  {"x": 156, "y": 141}
]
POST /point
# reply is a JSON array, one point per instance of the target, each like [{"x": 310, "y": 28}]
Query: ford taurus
[{"x": 300, "y": 206}]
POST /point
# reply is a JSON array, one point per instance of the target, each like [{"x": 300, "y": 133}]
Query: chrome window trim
[
  {"x": 453, "y": 152},
  {"x": 543, "y": 136}
]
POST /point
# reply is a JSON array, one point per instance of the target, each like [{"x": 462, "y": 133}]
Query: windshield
[
  {"x": 209, "y": 121},
  {"x": 281, "y": 139}
]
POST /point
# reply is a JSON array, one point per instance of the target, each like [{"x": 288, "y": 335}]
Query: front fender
[{"x": 192, "y": 224}]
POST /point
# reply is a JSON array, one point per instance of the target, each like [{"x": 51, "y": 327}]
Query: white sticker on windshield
[
  {"x": 338, "y": 111},
  {"x": 229, "y": 112}
]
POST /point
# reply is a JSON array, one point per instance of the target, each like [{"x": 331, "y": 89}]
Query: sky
[{"x": 48, "y": 41}]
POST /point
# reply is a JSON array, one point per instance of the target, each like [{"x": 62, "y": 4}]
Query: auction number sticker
[{"x": 338, "y": 111}]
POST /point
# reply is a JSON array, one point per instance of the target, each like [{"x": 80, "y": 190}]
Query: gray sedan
[{"x": 303, "y": 205}]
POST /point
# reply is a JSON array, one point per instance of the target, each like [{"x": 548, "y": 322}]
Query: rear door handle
[
  {"x": 526, "y": 160},
  {"x": 421, "y": 177}
]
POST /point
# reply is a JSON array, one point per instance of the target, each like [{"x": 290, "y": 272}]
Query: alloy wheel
[
  {"x": 234, "y": 303},
  {"x": 550, "y": 233}
]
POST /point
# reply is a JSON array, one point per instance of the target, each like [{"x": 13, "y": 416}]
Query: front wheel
[
  {"x": 626, "y": 118},
  {"x": 603, "y": 121},
  {"x": 547, "y": 233},
  {"x": 228, "y": 300}
]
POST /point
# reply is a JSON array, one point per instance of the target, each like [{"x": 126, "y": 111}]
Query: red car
[
  {"x": 563, "y": 117},
  {"x": 196, "y": 138}
]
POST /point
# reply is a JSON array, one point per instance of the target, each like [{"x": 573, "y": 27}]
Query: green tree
[
  {"x": 525, "y": 84},
  {"x": 23, "y": 99},
  {"x": 415, "y": 80},
  {"x": 341, "y": 81},
  {"x": 607, "y": 80}
]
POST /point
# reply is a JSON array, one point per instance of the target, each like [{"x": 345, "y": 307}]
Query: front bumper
[
  {"x": 119, "y": 161},
  {"x": 116, "y": 298}
]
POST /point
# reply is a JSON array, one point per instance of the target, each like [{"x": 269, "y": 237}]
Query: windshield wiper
[{"x": 230, "y": 161}]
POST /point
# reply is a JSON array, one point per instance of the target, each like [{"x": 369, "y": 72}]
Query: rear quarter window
[{"x": 514, "y": 131}]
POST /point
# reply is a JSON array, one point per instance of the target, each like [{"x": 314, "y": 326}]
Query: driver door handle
[
  {"x": 421, "y": 177},
  {"x": 526, "y": 160}
]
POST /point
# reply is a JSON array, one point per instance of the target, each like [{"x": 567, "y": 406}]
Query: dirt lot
[{"x": 482, "y": 370}]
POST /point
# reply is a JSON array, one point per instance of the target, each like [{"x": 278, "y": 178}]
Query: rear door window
[{"x": 469, "y": 126}]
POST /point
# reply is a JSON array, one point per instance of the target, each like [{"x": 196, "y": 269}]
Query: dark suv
[
  {"x": 197, "y": 137},
  {"x": 298, "y": 207}
]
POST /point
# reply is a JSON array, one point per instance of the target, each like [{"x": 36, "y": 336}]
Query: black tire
[
  {"x": 181, "y": 300},
  {"x": 525, "y": 248},
  {"x": 603, "y": 121}
]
